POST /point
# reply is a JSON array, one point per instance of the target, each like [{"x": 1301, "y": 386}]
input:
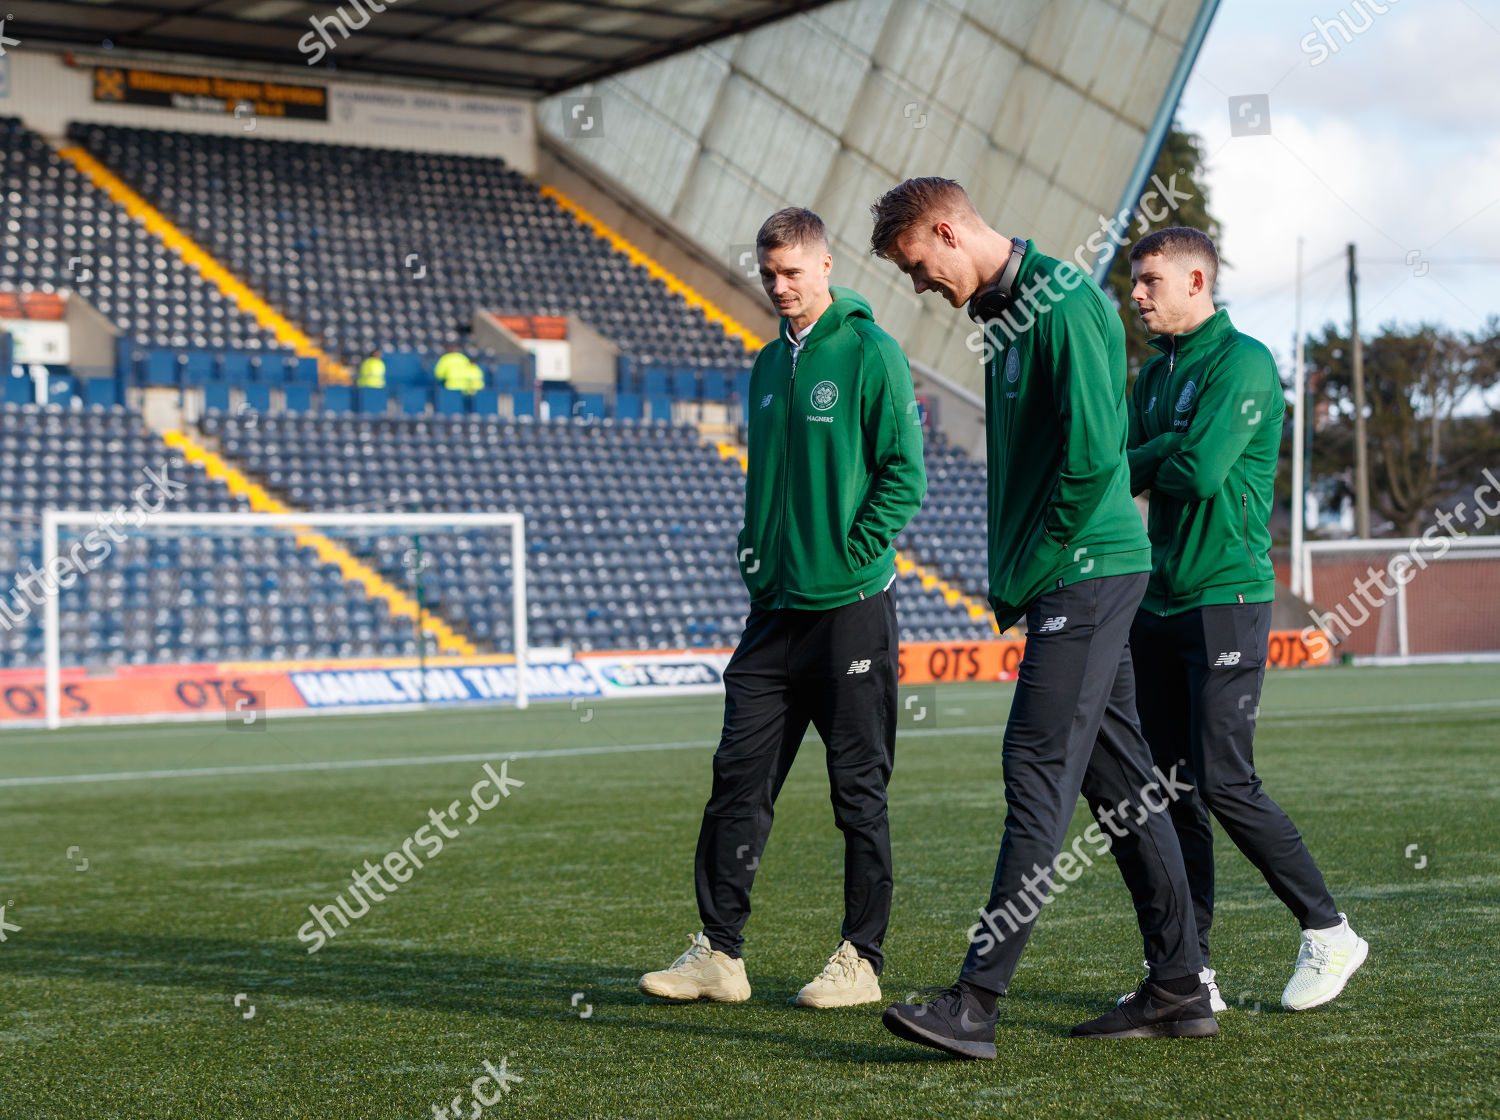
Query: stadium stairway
[
  {"x": 694, "y": 299},
  {"x": 328, "y": 551},
  {"x": 209, "y": 267}
]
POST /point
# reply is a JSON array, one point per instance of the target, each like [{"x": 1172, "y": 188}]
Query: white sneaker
[
  {"x": 846, "y": 980},
  {"x": 1325, "y": 962},
  {"x": 700, "y": 972},
  {"x": 1216, "y": 1002}
]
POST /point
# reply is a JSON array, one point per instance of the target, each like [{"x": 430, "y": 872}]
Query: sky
[{"x": 1390, "y": 140}]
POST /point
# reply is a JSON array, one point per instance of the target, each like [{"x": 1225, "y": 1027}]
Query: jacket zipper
[
  {"x": 1167, "y": 409},
  {"x": 1245, "y": 531},
  {"x": 786, "y": 450}
]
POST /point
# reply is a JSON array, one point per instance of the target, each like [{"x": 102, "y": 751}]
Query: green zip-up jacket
[
  {"x": 1060, "y": 508},
  {"x": 835, "y": 463},
  {"x": 1205, "y": 430}
]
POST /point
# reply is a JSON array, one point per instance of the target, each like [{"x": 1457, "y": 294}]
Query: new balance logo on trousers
[
  {"x": 1230, "y": 658},
  {"x": 1053, "y": 625},
  {"x": 858, "y": 667}
]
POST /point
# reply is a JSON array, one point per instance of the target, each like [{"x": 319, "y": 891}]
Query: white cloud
[{"x": 1390, "y": 143}]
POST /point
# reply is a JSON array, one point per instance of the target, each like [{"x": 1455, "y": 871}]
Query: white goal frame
[
  {"x": 1476, "y": 548},
  {"x": 53, "y": 520}
]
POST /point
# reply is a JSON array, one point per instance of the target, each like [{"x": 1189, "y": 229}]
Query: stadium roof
[{"x": 520, "y": 45}]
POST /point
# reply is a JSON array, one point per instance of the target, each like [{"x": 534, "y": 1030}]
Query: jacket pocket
[{"x": 1245, "y": 527}]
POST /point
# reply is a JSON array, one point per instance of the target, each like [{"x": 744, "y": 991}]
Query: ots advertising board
[{"x": 656, "y": 674}]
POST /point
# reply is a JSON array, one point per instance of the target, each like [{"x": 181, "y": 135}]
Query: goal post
[
  {"x": 1399, "y": 599},
  {"x": 54, "y": 522}
]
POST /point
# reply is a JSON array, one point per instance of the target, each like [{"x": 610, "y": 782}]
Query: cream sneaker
[
  {"x": 1325, "y": 962},
  {"x": 846, "y": 980},
  {"x": 700, "y": 972}
]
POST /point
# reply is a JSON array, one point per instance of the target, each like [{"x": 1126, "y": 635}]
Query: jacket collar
[{"x": 1204, "y": 335}]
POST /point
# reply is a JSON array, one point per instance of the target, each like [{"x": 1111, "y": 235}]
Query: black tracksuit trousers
[
  {"x": 1073, "y": 729},
  {"x": 837, "y": 670},
  {"x": 1199, "y": 674}
]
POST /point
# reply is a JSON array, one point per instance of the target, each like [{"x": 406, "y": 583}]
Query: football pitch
[{"x": 155, "y": 880}]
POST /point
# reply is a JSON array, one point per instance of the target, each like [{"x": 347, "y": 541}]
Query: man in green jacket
[
  {"x": 1205, "y": 432},
  {"x": 1068, "y": 551},
  {"x": 834, "y": 473}
]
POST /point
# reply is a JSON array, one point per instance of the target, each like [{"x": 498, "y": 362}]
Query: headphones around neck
[{"x": 994, "y": 300}]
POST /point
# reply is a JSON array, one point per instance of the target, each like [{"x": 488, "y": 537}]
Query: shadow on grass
[{"x": 535, "y": 991}]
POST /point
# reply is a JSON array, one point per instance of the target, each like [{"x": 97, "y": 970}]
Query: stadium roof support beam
[{"x": 1157, "y": 135}]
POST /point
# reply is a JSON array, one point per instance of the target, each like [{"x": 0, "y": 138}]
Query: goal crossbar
[{"x": 53, "y": 520}]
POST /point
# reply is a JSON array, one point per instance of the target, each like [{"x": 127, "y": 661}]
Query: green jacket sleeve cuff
[{"x": 1145, "y": 459}]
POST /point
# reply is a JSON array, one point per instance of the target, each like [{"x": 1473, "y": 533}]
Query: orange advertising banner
[
  {"x": 168, "y": 691},
  {"x": 946, "y": 662}
]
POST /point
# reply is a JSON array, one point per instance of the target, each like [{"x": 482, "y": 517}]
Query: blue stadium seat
[
  {"x": 199, "y": 368},
  {"x": 589, "y": 406},
  {"x": 450, "y": 402},
  {"x": 685, "y": 384},
  {"x": 161, "y": 367},
  {"x": 507, "y": 376},
  {"x": 372, "y": 400},
  {"x": 271, "y": 370},
  {"x": 558, "y": 402},
  {"x": 234, "y": 368},
  {"x": 660, "y": 406},
  {"x": 298, "y": 398},
  {"x": 485, "y": 402},
  {"x": 627, "y": 406},
  {"x": 715, "y": 386},
  {"x": 338, "y": 398},
  {"x": 19, "y": 390},
  {"x": 258, "y": 397},
  {"x": 216, "y": 395},
  {"x": 415, "y": 399},
  {"x": 101, "y": 391},
  {"x": 522, "y": 404}
]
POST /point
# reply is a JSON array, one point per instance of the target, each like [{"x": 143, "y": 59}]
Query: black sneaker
[
  {"x": 1153, "y": 1012},
  {"x": 952, "y": 1021}
]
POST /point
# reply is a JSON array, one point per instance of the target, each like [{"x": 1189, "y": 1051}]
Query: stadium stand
[
  {"x": 336, "y": 235},
  {"x": 616, "y": 560},
  {"x": 61, "y": 231},
  {"x": 948, "y": 533}
]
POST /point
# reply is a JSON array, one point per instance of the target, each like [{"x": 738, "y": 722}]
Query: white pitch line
[
  {"x": 413, "y": 760},
  {"x": 1309, "y": 716}
]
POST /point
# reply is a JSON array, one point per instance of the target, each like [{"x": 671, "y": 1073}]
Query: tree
[
  {"x": 1173, "y": 196},
  {"x": 1429, "y": 426}
]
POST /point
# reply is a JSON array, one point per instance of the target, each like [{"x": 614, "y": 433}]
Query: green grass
[{"x": 116, "y": 993}]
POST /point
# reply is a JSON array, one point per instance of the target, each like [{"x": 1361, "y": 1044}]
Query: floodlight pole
[{"x": 1361, "y": 451}]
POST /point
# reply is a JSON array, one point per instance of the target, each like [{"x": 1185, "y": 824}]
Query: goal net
[
  {"x": 227, "y": 615},
  {"x": 1422, "y": 598}
]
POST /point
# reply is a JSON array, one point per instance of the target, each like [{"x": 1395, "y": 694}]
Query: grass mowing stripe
[{"x": 410, "y": 760}]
